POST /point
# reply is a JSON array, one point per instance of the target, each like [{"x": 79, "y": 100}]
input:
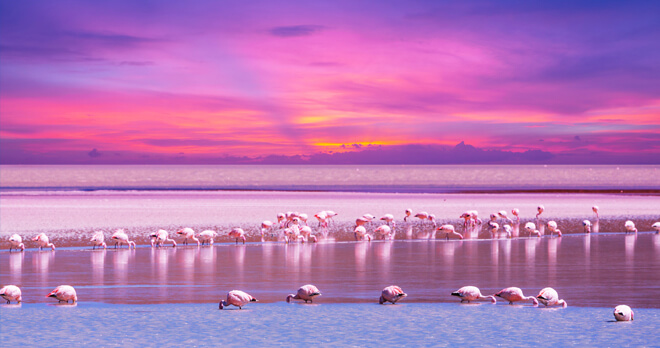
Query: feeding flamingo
[
  {"x": 531, "y": 228},
  {"x": 472, "y": 293},
  {"x": 120, "y": 237},
  {"x": 265, "y": 226},
  {"x": 587, "y": 226},
  {"x": 392, "y": 294},
  {"x": 42, "y": 240},
  {"x": 494, "y": 227},
  {"x": 237, "y": 233},
  {"x": 552, "y": 226},
  {"x": 508, "y": 231},
  {"x": 656, "y": 227},
  {"x": 514, "y": 294},
  {"x": 188, "y": 233},
  {"x": 361, "y": 234},
  {"x": 159, "y": 237},
  {"x": 502, "y": 214},
  {"x": 385, "y": 231},
  {"x": 64, "y": 293},
  {"x": 331, "y": 214},
  {"x": 623, "y": 313},
  {"x": 630, "y": 227},
  {"x": 449, "y": 229},
  {"x": 388, "y": 218},
  {"x": 306, "y": 293},
  {"x": 98, "y": 240},
  {"x": 306, "y": 234},
  {"x": 11, "y": 293},
  {"x": 549, "y": 298},
  {"x": 236, "y": 298},
  {"x": 16, "y": 242},
  {"x": 207, "y": 237}
]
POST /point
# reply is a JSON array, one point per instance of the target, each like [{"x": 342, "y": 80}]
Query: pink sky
[{"x": 163, "y": 82}]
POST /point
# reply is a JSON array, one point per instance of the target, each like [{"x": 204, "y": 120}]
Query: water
[
  {"x": 346, "y": 178},
  {"x": 277, "y": 324}
]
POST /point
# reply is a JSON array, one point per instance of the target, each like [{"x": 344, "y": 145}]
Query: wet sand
[{"x": 597, "y": 270}]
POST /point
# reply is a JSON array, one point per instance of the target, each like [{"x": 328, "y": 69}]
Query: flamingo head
[{"x": 515, "y": 211}]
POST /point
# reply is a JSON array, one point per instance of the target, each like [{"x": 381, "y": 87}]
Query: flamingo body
[
  {"x": 237, "y": 233},
  {"x": 207, "y": 236},
  {"x": 472, "y": 293},
  {"x": 64, "y": 293},
  {"x": 391, "y": 294},
  {"x": 514, "y": 294},
  {"x": 623, "y": 313},
  {"x": 305, "y": 293},
  {"x": 16, "y": 242},
  {"x": 237, "y": 298},
  {"x": 549, "y": 297},
  {"x": 11, "y": 293},
  {"x": 630, "y": 226},
  {"x": 120, "y": 237},
  {"x": 98, "y": 240},
  {"x": 188, "y": 234},
  {"x": 43, "y": 241}
]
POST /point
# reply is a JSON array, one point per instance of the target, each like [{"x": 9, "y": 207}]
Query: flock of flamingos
[{"x": 294, "y": 228}]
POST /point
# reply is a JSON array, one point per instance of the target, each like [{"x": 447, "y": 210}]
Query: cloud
[
  {"x": 296, "y": 30},
  {"x": 94, "y": 153}
]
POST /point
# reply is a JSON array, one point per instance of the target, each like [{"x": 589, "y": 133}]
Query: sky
[{"x": 332, "y": 82}]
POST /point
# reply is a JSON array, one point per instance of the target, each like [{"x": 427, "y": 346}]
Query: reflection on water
[{"x": 429, "y": 270}]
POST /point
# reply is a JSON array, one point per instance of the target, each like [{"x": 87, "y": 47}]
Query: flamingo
[
  {"x": 159, "y": 237},
  {"x": 502, "y": 214},
  {"x": 120, "y": 237},
  {"x": 408, "y": 214},
  {"x": 16, "y": 242},
  {"x": 281, "y": 218},
  {"x": 475, "y": 217},
  {"x": 472, "y": 293},
  {"x": 385, "y": 231},
  {"x": 188, "y": 233},
  {"x": 306, "y": 293},
  {"x": 331, "y": 214},
  {"x": 237, "y": 233},
  {"x": 322, "y": 217},
  {"x": 303, "y": 218},
  {"x": 42, "y": 240},
  {"x": 11, "y": 293},
  {"x": 595, "y": 210},
  {"x": 237, "y": 298},
  {"x": 494, "y": 227},
  {"x": 540, "y": 210},
  {"x": 623, "y": 313},
  {"x": 531, "y": 228},
  {"x": 64, "y": 293},
  {"x": 306, "y": 234},
  {"x": 656, "y": 227},
  {"x": 265, "y": 226},
  {"x": 549, "y": 297},
  {"x": 392, "y": 294},
  {"x": 361, "y": 234},
  {"x": 207, "y": 237},
  {"x": 552, "y": 226},
  {"x": 361, "y": 221},
  {"x": 98, "y": 240},
  {"x": 388, "y": 218},
  {"x": 449, "y": 229},
  {"x": 516, "y": 213},
  {"x": 508, "y": 230},
  {"x": 630, "y": 227},
  {"x": 516, "y": 223},
  {"x": 514, "y": 294},
  {"x": 587, "y": 226}
]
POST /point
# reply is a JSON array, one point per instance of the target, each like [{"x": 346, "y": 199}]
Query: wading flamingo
[
  {"x": 159, "y": 238},
  {"x": 236, "y": 298},
  {"x": 64, "y": 293},
  {"x": 595, "y": 210},
  {"x": 392, "y": 294},
  {"x": 494, "y": 228},
  {"x": 623, "y": 313},
  {"x": 552, "y": 226},
  {"x": 237, "y": 233},
  {"x": 322, "y": 217},
  {"x": 361, "y": 234},
  {"x": 120, "y": 237},
  {"x": 630, "y": 227},
  {"x": 549, "y": 298},
  {"x": 306, "y": 234},
  {"x": 385, "y": 231},
  {"x": 531, "y": 228},
  {"x": 508, "y": 231},
  {"x": 42, "y": 240},
  {"x": 472, "y": 293},
  {"x": 408, "y": 214},
  {"x": 586, "y": 224},
  {"x": 502, "y": 215},
  {"x": 265, "y": 226},
  {"x": 281, "y": 219},
  {"x": 11, "y": 293},
  {"x": 331, "y": 214},
  {"x": 98, "y": 240},
  {"x": 361, "y": 221},
  {"x": 656, "y": 227},
  {"x": 514, "y": 294},
  {"x": 449, "y": 229},
  {"x": 16, "y": 242},
  {"x": 207, "y": 236},
  {"x": 188, "y": 233},
  {"x": 388, "y": 218},
  {"x": 516, "y": 222},
  {"x": 305, "y": 293}
]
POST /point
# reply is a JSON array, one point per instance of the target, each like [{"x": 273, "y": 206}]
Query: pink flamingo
[
  {"x": 237, "y": 298},
  {"x": 516, "y": 222},
  {"x": 159, "y": 238},
  {"x": 42, "y": 240},
  {"x": 303, "y": 218},
  {"x": 98, "y": 240},
  {"x": 391, "y": 294},
  {"x": 408, "y": 214},
  {"x": 385, "y": 231},
  {"x": 502, "y": 214},
  {"x": 322, "y": 218},
  {"x": 472, "y": 293},
  {"x": 188, "y": 233},
  {"x": 331, "y": 214},
  {"x": 306, "y": 234},
  {"x": 16, "y": 242},
  {"x": 11, "y": 293},
  {"x": 361, "y": 221},
  {"x": 630, "y": 227},
  {"x": 281, "y": 219},
  {"x": 388, "y": 218},
  {"x": 540, "y": 210},
  {"x": 120, "y": 237},
  {"x": 595, "y": 210},
  {"x": 623, "y": 313},
  {"x": 552, "y": 226},
  {"x": 587, "y": 226},
  {"x": 64, "y": 293},
  {"x": 508, "y": 231},
  {"x": 237, "y": 233},
  {"x": 207, "y": 237},
  {"x": 549, "y": 297},
  {"x": 265, "y": 227},
  {"x": 514, "y": 294},
  {"x": 449, "y": 229},
  {"x": 531, "y": 228},
  {"x": 361, "y": 234},
  {"x": 494, "y": 228},
  {"x": 656, "y": 227},
  {"x": 306, "y": 293}
]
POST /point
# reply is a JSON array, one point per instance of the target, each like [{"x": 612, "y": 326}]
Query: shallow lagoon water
[{"x": 277, "y": 324}]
